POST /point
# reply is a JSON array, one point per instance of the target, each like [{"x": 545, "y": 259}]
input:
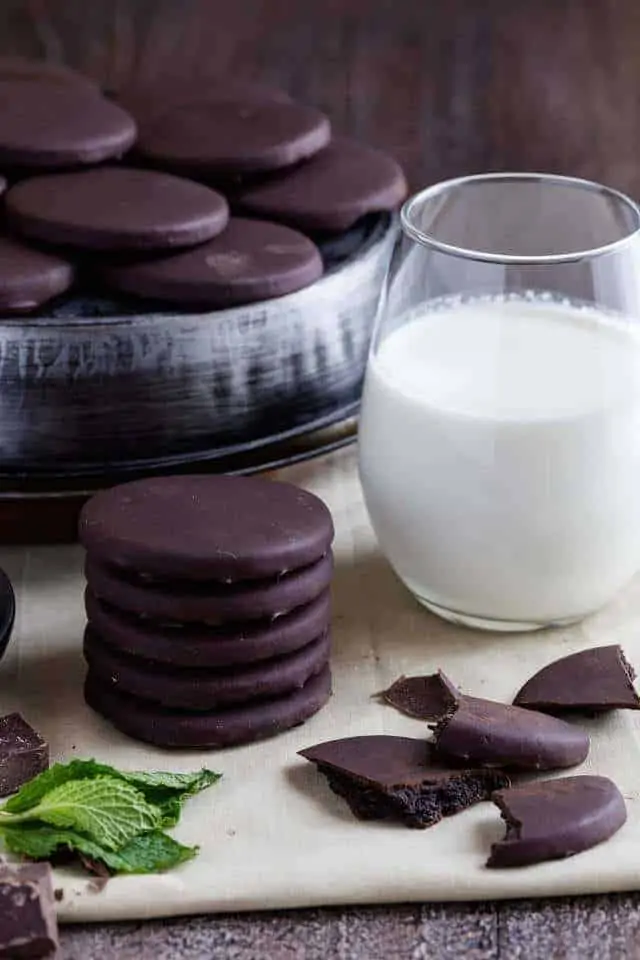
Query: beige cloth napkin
[{"x": 271, "y": 833}]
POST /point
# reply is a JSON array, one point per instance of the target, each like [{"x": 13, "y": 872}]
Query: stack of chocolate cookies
[{"x": 208, "y": 608}]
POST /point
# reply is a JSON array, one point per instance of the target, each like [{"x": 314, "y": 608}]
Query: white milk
[{"x": 500, "y": 457}]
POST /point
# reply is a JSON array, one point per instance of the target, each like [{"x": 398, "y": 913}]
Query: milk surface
[{"x": 500, "y": 456}]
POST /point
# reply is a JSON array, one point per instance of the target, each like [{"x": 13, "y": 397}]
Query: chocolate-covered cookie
[
  {"x": 147, "y": 101},
  {"x": 225, "y": 728},
  {"x": 499, "y": 735},
  {"x": 331, "y": 191},
  {"x": 398, "y": 778},
  {"x": 206, "y": 528},
  {"x": 554, "y": 819},
  {"x": 250, "y": 260},
  {"x": 45, "y": 71},
  {"x": 210, "y": 602},
  {"x": 116, "y": 208},
  {"x": 188, "y": 688},
  {"x": 195, "y": 645},
  {"x": 593, "y": 680},
  {"x": 29, "y": 277},
  {"x": 52, "y": 126},
  {"x": 216, "y": 138}
]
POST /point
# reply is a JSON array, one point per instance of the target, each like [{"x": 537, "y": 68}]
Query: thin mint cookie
[
  {"x": 331, "y": 191},
  {"x": 45, "y": 71},
  {"x": 592, "y": 681},
  {"x": 148, "y": 101},
  {"x": 116, "y": 209},
  {"x": 224, "y": 728},
  {"x": 250, "y": 260},
  {"x": 53, "y": 126},
  {"x": 199, "y": 689},
  {"x": 30, "y": 277},
  {"x": 554, "y": 819},
  {"x": 196, "y": 645},
  {"x": 203, "y": 527},
  {"x": 210, "y": 602},
  {"x": 217, "y": 139}
]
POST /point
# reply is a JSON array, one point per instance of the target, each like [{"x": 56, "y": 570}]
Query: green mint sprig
[{"x": 112, "y": 817}]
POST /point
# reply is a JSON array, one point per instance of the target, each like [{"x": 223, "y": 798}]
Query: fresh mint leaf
[
  {"x": 158, "y": 787},
  {"x": 149, "y": 853},
  {"x": 109, "y": 811},
  {"x": 32, "y": 792}
]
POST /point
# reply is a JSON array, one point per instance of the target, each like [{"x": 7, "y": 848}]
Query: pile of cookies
[
  {"x": 201, "y": 195},
  {"x": 208, "y": 608}
]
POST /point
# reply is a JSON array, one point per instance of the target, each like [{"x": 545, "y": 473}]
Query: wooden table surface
[
  {"x": 450, "y": 88},
  {"x": 583, "y": 928}
]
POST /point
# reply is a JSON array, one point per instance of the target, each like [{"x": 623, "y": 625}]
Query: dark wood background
[{"x": 449, "y": 86}]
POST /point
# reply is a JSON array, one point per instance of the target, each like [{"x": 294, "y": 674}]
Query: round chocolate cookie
[
  {"x": 23, "y": 68},
  {"x": 331, "y": 191},
  {"x": 250, "y": 260},
  {"x": 148, "y": 101},
  {"x": 49, "y": 126},
  {"x": 214, "y": 138},
  {"x": 204, "y": 527},
  {"x": 211, "y": 603},
  {"x": 197, "y": 689},
  {"x": 184, "y": 645},
  {"x": 30, "y": 277},
  {"x": 116, "y": 208},
  {"x": 235, "y": 725}
]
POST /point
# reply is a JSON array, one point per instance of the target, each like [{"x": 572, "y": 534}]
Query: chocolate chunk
[
  {"x": 497, "y": 734},
  {"x": 553, "y": 819},
  {"x": 399, "y": 778},
  {"x": 425, "y": 698},
  {"x": 23, "y": 753},
  {"x": 28, "y": 926},
  {"x": 591, "y": 680}
]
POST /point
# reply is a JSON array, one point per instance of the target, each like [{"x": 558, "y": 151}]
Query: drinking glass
[{"x": 500, "y": 432}]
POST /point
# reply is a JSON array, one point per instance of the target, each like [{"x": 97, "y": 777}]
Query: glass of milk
[{"x": 500, "y": 429}]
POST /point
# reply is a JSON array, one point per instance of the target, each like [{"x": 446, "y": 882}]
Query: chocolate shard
[
  {"x": 23, "y": 753},
  {"x": 425, "y": 697},
  {"x": 488, "y": 733},
  {"x": 398, "y": 778},
  {"x": 591, "y": 681},
  {"x": 28, "y": 926},
  {"x": 553, "y": 819}
]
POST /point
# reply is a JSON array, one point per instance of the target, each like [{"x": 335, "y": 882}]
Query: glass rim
[{"x": 428, "y": 193}]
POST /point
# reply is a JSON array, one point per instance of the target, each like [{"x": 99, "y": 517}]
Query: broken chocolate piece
[
  {"x": 425, "y": 697},
  {"x": 23, "y": 753},
  {"x": 488, "y": 733},
  {"x": 398, "y": 778},
  {"x": 553, "y": 819},
  {"x": 28, "y": 926},
  {"x": 592, "y": 681}
]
